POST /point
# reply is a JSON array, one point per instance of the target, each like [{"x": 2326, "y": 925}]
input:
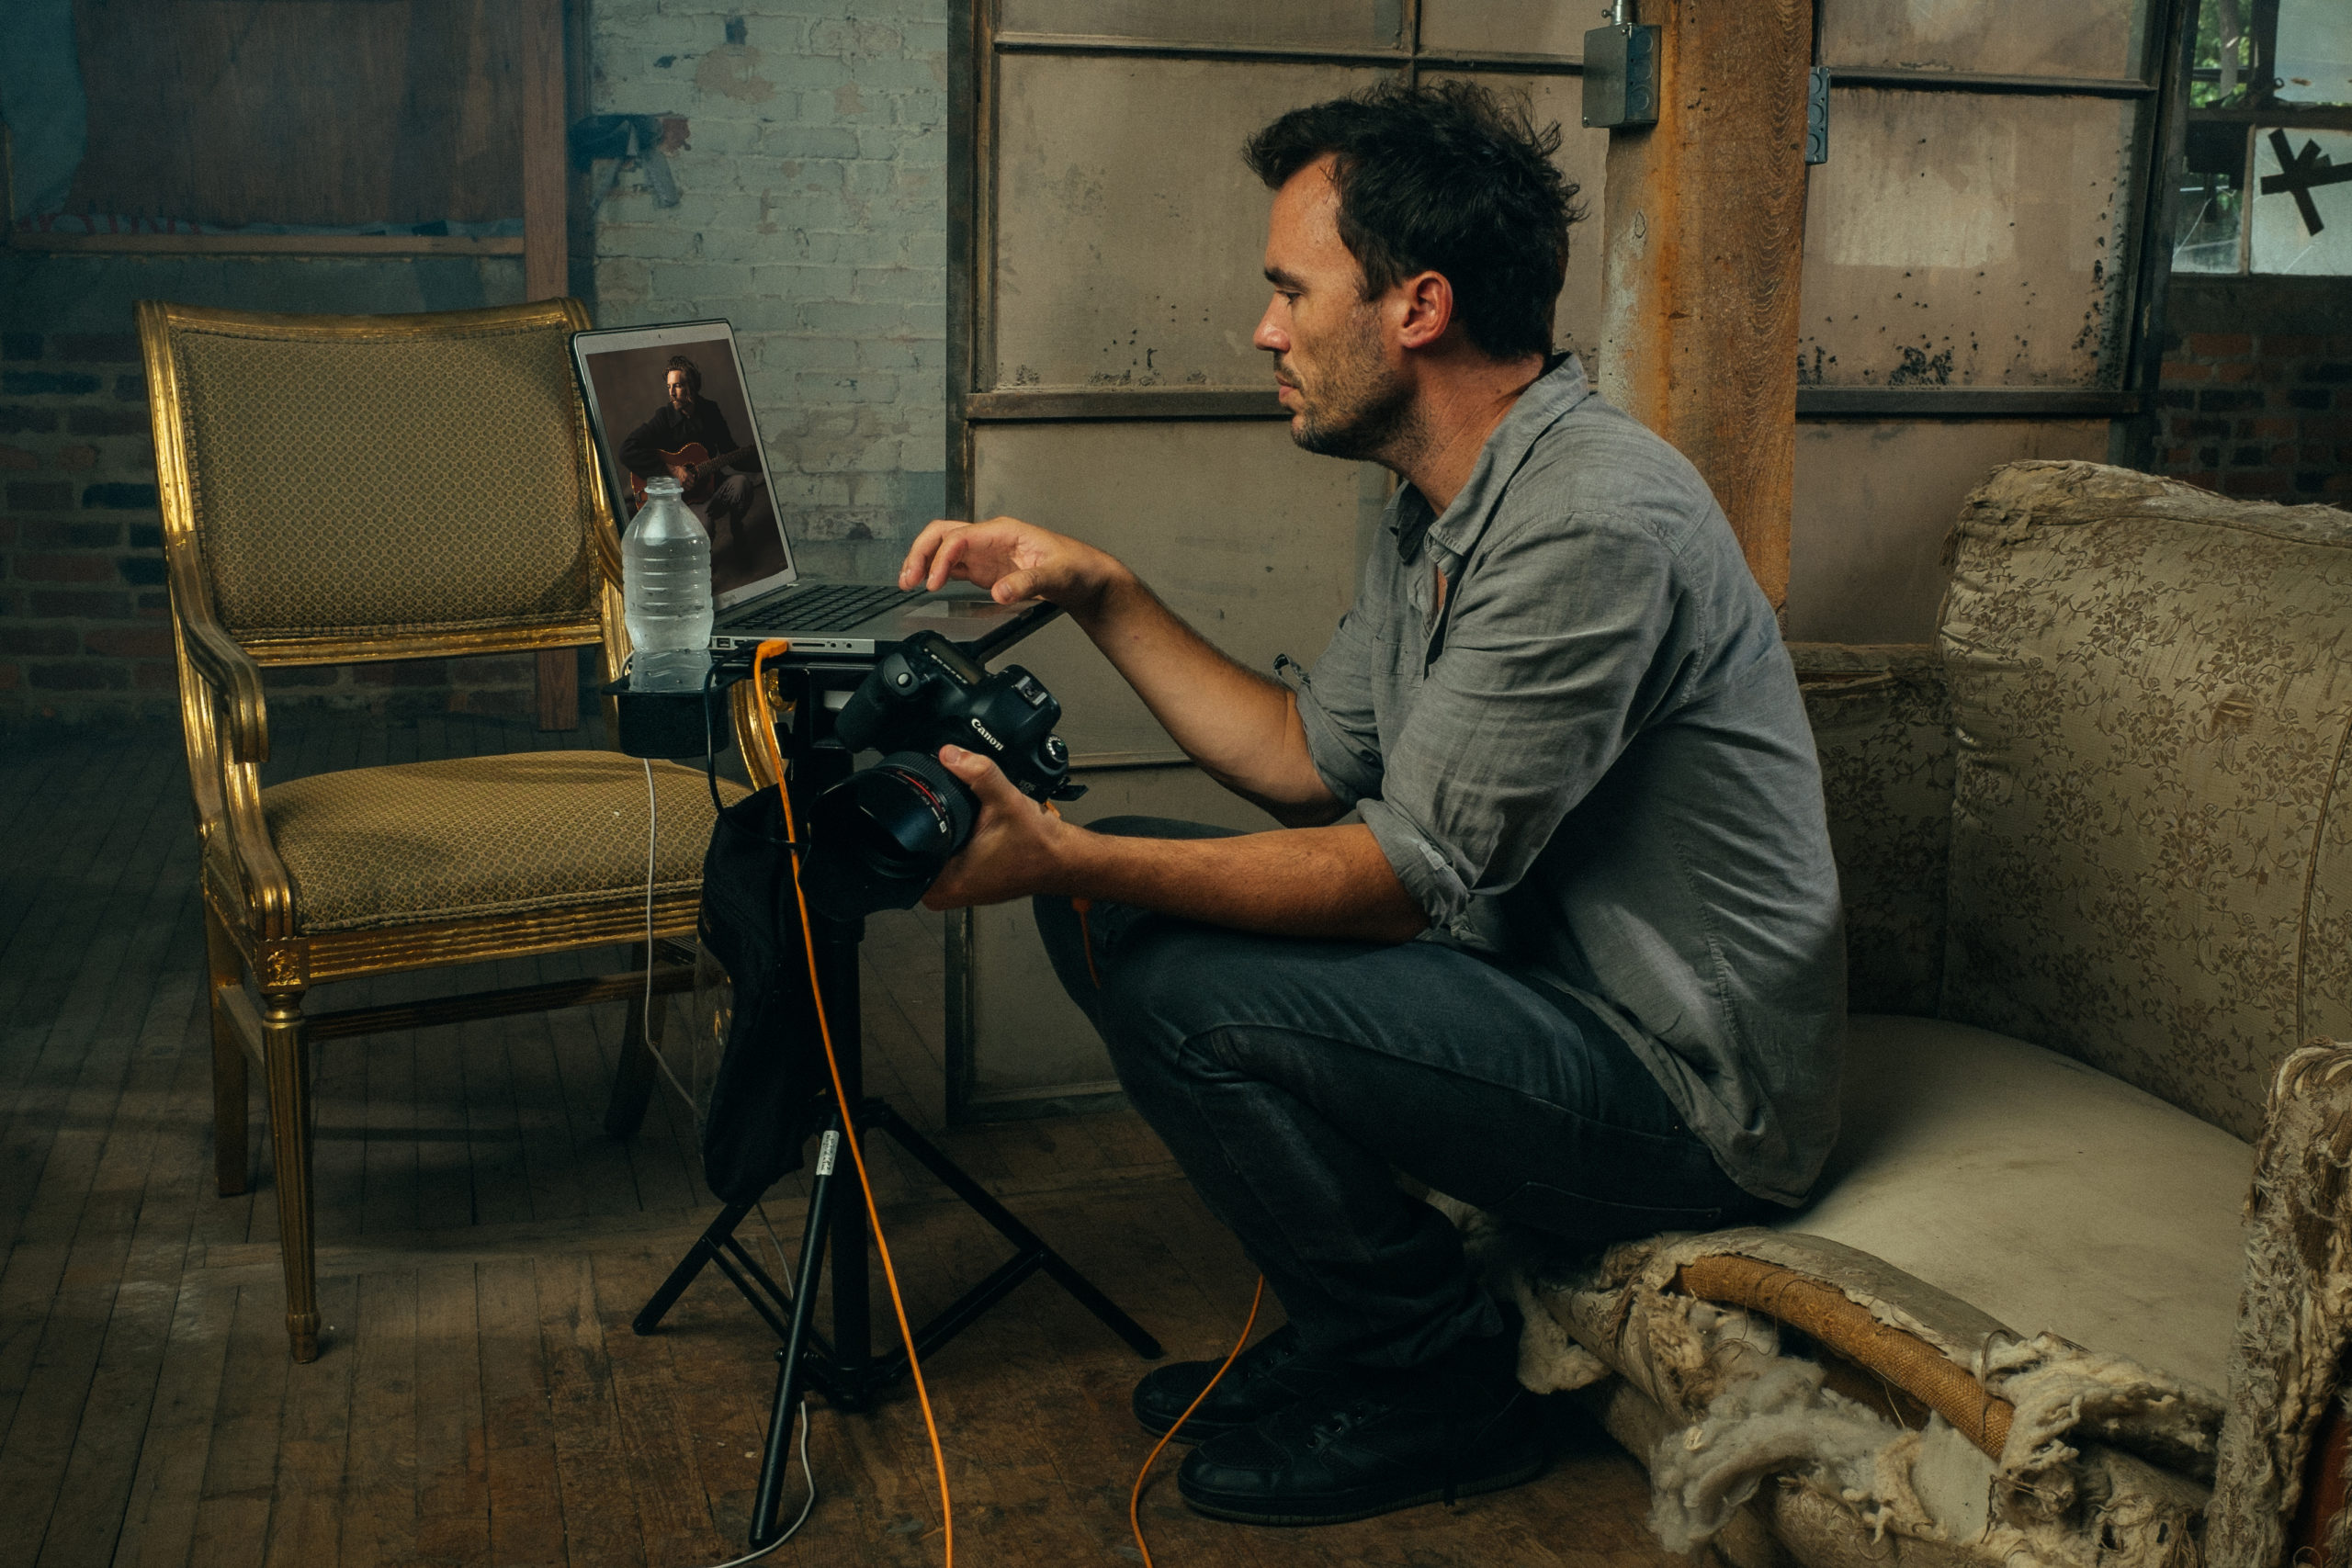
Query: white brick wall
[{"x": 814, "y": 217}]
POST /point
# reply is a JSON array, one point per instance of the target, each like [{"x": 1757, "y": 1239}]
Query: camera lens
[{"x": 879, "y": 838}]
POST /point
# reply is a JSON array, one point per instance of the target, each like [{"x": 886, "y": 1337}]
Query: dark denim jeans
[{"x": 1292, "y": 1078}]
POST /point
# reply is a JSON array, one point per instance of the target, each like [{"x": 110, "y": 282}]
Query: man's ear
[{"x": 1428, "y": 299}]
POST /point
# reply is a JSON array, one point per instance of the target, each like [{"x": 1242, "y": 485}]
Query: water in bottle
[{"x": 665, "y": 591}]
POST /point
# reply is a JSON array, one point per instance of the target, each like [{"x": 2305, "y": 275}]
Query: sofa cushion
[
  {"x": 2048, "y": 1194},
  {"x": 2150, "y": 868}
]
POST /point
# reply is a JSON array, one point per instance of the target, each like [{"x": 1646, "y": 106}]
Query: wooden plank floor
[{"x": 482, "y": 1399}]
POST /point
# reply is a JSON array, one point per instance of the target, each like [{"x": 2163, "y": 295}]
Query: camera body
[
  {"x": 927, "y": 695},
  {"x": 880, "y": 836}
]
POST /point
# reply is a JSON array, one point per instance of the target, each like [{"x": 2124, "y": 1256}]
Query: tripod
[{"x": 844, "y": 1368}]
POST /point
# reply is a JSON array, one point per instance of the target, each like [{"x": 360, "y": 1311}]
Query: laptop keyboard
[{"x": 825, "y": 607}]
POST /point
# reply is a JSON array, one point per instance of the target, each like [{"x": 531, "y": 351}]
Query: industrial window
[{"x": 2266, "y": 176}]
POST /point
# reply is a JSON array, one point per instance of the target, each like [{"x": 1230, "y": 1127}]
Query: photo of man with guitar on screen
[{"x": 689, "y": 436}]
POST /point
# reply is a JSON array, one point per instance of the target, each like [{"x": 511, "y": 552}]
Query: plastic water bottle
[{"x": 665, "y": 593}]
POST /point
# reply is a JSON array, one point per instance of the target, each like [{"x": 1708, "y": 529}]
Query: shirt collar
[{"x": 1561, "y": 388}]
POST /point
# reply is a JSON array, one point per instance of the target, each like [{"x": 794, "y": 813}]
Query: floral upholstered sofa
[{"x": 2074, "y": 1288}]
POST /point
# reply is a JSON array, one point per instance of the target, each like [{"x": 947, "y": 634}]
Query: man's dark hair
[
  {"x": 1446, "y": 177},
  {"x": 694, "y": 372}
]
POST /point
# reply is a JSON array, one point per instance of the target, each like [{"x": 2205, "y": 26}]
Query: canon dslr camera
[{"x": 879, "y": 838}]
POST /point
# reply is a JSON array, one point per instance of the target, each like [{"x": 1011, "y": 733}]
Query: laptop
[{"x": 670, "y": 400}]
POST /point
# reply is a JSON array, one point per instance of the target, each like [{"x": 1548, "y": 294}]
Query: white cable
[
  {"x": 782, "y": 1259},
  {"x": 811, "y": 1476},
  {"x": 652, "y": 838}
]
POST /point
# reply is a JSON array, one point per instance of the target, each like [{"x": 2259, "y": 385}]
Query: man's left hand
[{"x": 1014, "y": 850}]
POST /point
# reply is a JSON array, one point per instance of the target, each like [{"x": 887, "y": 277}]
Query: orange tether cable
[
  {"x": 1135, "y": 1498},
  {"x": 833, "y": 1065},
  {"x": 1085, "y": 906}
]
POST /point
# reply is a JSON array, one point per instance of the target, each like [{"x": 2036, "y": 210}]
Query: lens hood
[{"x": 878, "y": 839}]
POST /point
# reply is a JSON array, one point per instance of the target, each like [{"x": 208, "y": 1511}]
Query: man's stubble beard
[{"x": 1361, "y": 410}]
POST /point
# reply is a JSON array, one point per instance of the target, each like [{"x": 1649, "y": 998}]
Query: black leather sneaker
[
  {"x": 1373, "y": 1441},
  {"x": 1273, "y": 1372}
]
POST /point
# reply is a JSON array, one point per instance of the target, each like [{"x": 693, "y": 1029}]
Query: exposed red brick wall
[
  {"x": 85, "y": 632},
  {"x": 2262, "y": 414}
]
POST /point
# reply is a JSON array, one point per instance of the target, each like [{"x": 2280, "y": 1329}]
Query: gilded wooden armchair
[{"x": 360, "y": 488}]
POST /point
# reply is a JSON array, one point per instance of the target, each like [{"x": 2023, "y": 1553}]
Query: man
[
  {"x": 732, "y": 508},
  {"x": 1579, "y": 963}
]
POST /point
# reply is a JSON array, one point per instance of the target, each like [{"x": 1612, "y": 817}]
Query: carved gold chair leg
[
  {"x": 231, "y": 1152},
  {"x": 287, "y": 1059},
  {"x": 633, "y": 1076}
]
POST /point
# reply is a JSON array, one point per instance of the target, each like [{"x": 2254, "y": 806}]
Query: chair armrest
[
  {"x": 234, "y": 676},
  {"x": 1882, "y": 725}
]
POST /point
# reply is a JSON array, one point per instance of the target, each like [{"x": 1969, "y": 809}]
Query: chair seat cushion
[
  {"x": 2041, "y": 1190},
  {"x": 420, "y": 843}
]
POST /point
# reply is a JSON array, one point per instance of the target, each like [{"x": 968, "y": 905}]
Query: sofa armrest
[
  {"x": 2278, "y": 1490},
  {"x": 1775, "y": 1353},
  {"x": 1882, "y": 723}
]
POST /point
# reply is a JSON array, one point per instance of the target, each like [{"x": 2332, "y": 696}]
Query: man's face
[
  {"x": 1342, "y": 382},
  {"x": 681, "y": 394}
]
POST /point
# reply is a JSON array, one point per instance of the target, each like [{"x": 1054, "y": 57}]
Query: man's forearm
[
  {"x": 1242, "y": 727},
  {"x": 1310, "y": 882}
]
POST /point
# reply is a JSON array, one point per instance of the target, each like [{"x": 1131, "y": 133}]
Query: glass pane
[
  {"x": 1956, "y": 240},
  {"x": 1509, "y": 26},
  {"x": 1584, "y": 158},
  {"x": 2008, "y": 37},
  {"x": 2210, "y": 234},
  {"x": 1330, "y": 23},
  {"x": 2314, "y": 51},
  {"x": 2222, "y": 71},
  {"x": 1129, "y": 235},
  {"x": 2302, "y": 202}
]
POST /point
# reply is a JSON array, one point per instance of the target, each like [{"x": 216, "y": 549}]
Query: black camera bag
[{"x": 767, "y": 1100}]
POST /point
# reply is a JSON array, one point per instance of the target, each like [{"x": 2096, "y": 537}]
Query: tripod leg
[
  {"x": 778, "y": 1458},
  {"x": 704, "y": 1251},
  {"x": 982, "y": 1202},
  {"x": 852, "y": 1326}
]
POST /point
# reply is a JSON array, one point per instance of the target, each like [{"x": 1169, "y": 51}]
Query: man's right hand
[{"x": 1013, "y": 561}]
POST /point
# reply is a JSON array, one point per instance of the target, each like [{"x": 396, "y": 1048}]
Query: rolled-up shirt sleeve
[
  {"x": 1562, "y": 639},
  {"x": 1335, "y": 705}
]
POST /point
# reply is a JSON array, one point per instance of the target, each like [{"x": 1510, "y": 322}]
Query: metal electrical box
[{"x": 1620, "y": 76}]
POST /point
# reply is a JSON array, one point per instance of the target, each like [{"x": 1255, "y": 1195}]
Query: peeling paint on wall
[{"x": 730, "y": 70}]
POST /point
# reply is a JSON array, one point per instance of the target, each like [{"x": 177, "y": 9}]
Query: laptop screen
[{"x": 670, "y": 401}]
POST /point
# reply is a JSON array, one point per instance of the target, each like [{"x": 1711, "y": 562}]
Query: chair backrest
[
  {"x": 374, "y": 486},
  {"x": 2152, "y": 842}
]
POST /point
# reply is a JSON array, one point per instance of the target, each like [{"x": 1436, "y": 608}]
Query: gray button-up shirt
[{"x": 1589, "y": 758}]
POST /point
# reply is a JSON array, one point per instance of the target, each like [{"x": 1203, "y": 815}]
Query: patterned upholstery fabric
[
  {"x": 2152, "y": 692},
  {"x": 423, "y": 842},
  {"x": 1882, "y": 722},
  {"x": 386, "y": 485}
]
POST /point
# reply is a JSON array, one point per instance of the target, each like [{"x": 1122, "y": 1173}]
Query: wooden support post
[{"x": 1705, "y": 235}]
